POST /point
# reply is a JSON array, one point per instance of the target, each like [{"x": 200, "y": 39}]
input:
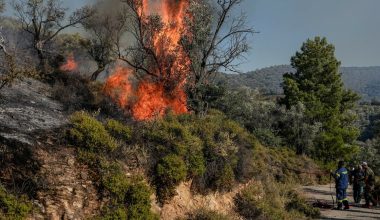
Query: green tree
[{"x": 317, "y": 84}]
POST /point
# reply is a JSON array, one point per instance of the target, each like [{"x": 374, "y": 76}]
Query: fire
[
  {"x": 153, "y": 96},
  {"x": 70, "y": 64}
]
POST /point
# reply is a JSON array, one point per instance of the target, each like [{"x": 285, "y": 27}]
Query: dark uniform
[
  {"x": 369, "y": 177},
  {"x": 341, "y": 185},
  {"x": 358, "y": 184}
]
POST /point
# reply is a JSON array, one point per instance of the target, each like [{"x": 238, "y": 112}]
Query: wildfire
[
  {"x": 70, "y": 64},
  {"x": 152, "y": 97}
]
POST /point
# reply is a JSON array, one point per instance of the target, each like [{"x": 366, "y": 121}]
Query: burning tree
[
  {"x": 43, "y": 20},
  {"x": 178, "y": 45}
]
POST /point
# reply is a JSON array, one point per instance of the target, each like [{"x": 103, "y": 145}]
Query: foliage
[
  {"x": 43, "y": 20},
  {"x": 204, "y": 214},
  {"x": 299, "y": 204},
  {"x": 118, "y": 129},
  {"x": 363, "y": 80},
  {"x": 13, "y": 208},
  {"x": 11, "y": 70},
  {"x": 171, "y": 170},
  {"x": 209, "y": 150},
  {"x": 138, "y": 201},
  {"x": 271, "y": 200},
  {"x": 89, "y": 133},
  {"x": 115, "y": 181},
  {"x": 317, "y": 84},
  {"x": 129, "y": 197},
  {"x": 118, "y": 213}
]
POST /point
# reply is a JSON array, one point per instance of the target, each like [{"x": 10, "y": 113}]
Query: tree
[
  {"x": 10, "y": 70},
  {"x": 218, "y": 40},
  {"x": 212, "y": 38},
  {"x": 317, "y": 84},
  {"x": 106, "y": 28},
  {"x": 43, "y": 20}
]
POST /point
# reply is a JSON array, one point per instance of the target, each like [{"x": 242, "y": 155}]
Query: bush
[
  {"x": 247, "y": 201},
  {"x": 272, "y": 201},
  {"x": 299, "y": 204},
  {"x": 118, "y": 130},
  {"x": 115, "y": 181},
  {"x": 204, "y": 214},
  {"x": 89, "y": 133},
  {"x": 138, "y": 201},
  {"x": 118, "y": 213},
  {"x": 171, "y": 170},
  {"x": 13, "y": 208}
]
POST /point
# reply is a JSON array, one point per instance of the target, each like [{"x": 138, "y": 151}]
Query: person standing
[
  {"x": 358, "y": 183},
  {"x": 341, "y": 185},
  {"x": 369, "y": 179}
]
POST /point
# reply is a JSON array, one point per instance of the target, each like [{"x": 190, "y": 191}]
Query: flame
[
  {"x": 152, "y": 97},
  {"x": 70, "y": 64}
]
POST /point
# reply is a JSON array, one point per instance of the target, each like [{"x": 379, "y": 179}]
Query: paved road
[{"x": 323, "y": 194}]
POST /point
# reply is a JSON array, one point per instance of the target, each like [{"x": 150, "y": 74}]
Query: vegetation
[
  {"x": 271, "y": 200},
  {"x": 317, "y": 84},
  {"x": 13, "y": 208},
  {"x": 235, "y": 136},
  {"x": 129, "y": 197},
  {"x": 268, "y": 81},
  {"x": 204, "y": 214},
  {"x": 89, "y": 133}
]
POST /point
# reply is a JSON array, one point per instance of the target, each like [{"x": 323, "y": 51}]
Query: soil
[{"x": 323, "y": 193}]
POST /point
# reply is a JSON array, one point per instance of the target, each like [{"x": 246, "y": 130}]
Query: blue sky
[{"x": 351, "y": 25}]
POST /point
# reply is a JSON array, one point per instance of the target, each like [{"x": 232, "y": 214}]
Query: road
[{"x": 323, "y": 194}]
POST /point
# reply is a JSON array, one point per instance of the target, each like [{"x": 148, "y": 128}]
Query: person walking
[
  {"x": 369, "y": 179},
  {"x": 341, "y": 185},
  {"x": 358, "y": 183}
]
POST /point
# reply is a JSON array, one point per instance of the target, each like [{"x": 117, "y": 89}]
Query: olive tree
[
  {"x": 43, "y": 20},
  {"x": 218, "y": 39},
  {"x": 105, "y": 31}
]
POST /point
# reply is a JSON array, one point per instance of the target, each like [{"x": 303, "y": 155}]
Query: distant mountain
[{"x": 364, "y": 80}]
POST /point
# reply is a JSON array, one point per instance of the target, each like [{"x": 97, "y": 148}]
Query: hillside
[{"x": 364, "y": 80}]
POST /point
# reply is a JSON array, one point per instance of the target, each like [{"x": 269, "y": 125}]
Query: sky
[{"x": 351, "y": 25}]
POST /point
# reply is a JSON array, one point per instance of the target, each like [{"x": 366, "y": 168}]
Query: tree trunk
[
  {"x": 43, "y": 65},
  {"x": 95, "y": 74}
]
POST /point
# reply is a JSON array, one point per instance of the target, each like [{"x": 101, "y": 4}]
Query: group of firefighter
[{"x": 362, "y": 179}]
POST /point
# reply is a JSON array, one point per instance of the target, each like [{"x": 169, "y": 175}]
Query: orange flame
[
  {"x": 70, "y": 64},
  {"x": 153, "y": 97}
]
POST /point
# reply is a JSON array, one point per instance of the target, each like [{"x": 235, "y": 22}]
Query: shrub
[
  {"x": 270, "y": 200},
  {"x": 299, "y": 204},
  {"x": 171, "y": 170},
  {"x": 138, "y": 201},
  {"x": 226, "y": 178},
  {"x": 115, "y": 181},
  {"x": 247, "y": 201},
  {"x": 204, "y": 214},
  {"x": 117, "y": 129},
  {"x": 89, "y": 133},
  {"x": 118, "y": 213},
  {"x": 13, "y": 208}
]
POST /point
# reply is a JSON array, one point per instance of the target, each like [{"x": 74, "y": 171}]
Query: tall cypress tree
[{"x": 318, "y": 85}]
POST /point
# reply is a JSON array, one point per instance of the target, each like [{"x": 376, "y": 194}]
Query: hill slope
[{"x": 364, "y": 80}]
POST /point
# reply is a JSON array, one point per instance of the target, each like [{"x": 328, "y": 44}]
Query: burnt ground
[
  {"x": 323, "y": 194},
  {"x": 33, "y": 161}
]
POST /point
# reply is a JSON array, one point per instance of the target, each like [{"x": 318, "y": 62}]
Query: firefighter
[
  {"x": 358, "y": 183},
  {"x": 341, "y": 185},
  {"x": 369, "y": 179}
]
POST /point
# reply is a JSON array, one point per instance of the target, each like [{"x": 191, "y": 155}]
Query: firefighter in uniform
[
  {"x": 369, "y": 178},
  {"x": 341, "y": 185}
]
